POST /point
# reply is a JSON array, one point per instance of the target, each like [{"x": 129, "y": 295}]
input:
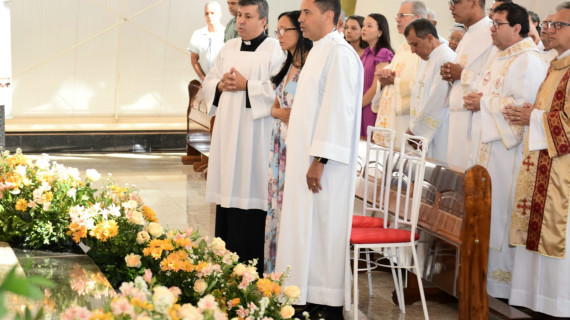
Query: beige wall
[{"x": 389, "y": 8}]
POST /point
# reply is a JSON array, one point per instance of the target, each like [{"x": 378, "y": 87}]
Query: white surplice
[
  {"x": 392, "y": 102},
  {"x": 512, "y": 77},
  {"x": 472, "y": 54},
  {"x": 325, "y": 121},
  {"x": 429, "y": 103},
  {"x": 239, "y": 150}
]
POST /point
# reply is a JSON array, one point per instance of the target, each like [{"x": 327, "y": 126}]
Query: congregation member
[
  {"x": 548, "y": 53},
  {"x": 321, "y": 163},
  {"x": 291, "y": 40},
  {"x": 539, "y": 226},
  {"x": 511, "y": 78},
  {"x": 376, "y": 56},
  {"x": 464, "y": 72},
  {"x": 457, "y": 33},
  {"x": 206, "y": 42},
  {"x": 398, "y": 78},
  {"x": 432, "y": 17},
  {"x": 240, "y": 94},
  {"x": 429, "y": 106},
  {"x": 353, "y": 34},
  {"x": 231, "y": 30},
  {"x": 341, "y": 22}
]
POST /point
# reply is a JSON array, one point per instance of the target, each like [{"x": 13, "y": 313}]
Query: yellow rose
[
  {"x": 136, "y": 218},
  {"x": 292, "y": 292},
  {"x": 239, "y": 269},
  {"x": 143, "y": 237},
  {"x": 133, "y": 260},
  {"x": 287, "y": 312},
  {"x": 155, "y": 229},
  {"x": 200, "y": 286}
]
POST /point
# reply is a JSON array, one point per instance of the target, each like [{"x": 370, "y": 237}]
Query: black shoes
[{"x": 319, "y": 311}]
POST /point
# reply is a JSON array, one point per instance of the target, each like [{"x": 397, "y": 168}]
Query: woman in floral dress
[{"x": 291, "y": 40}]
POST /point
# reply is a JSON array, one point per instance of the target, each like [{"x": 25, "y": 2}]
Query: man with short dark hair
[
  {"x": 429, "y": 104},
  {"x": 240, "y": 94},
  {"x": 464, "y": 74},
  {"x": 539, "y": 226},
  {"x": 511, "y": 78},
  {"x": 322, "y": 140},
  {"x": 231, "y": 30}
]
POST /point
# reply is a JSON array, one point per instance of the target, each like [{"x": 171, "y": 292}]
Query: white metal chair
[
  {"x": 402, "y": 232},
  {"x": 371, "y": 188}
]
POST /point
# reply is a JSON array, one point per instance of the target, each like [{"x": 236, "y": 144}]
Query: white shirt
[{"x": 206, "y": 45}]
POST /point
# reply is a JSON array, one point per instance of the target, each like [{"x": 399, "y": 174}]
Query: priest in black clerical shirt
[{"x": 240, "y": 94}]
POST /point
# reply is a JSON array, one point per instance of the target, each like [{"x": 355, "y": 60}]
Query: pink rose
[{"x": 133, "y": 260}]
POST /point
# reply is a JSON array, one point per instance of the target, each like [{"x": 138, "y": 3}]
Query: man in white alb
[
  {"x": 472, "y": 53},
  {"x": 392, "y": 103},
  {"x": 548, "y": 53},
  {"x": 511, "y": 78},
  {"x": 324, "y": 130},
  {"x": 240, "y": 94},
  {"x": 429, "y": 106}
]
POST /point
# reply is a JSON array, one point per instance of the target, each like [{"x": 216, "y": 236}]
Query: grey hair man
[{"x": 206, "y": 42}]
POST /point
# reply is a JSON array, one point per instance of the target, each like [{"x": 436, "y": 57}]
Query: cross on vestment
[
  {"x": 528, "y": 163},
  {"x": 523, "y": 206}
]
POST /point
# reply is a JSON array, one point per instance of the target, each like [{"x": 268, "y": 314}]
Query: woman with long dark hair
[
  {"x": 291, "y": 40},
  {"x": 378, "y": 55},
  {"x": 353, "y": 34}
]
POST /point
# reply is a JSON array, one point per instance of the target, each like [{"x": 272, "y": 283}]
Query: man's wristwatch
[{"x": 321, "y": 160}]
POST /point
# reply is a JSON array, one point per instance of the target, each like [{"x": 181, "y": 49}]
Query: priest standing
[
  {"x": 240, "y": 93},
  {"x": 472, "y": 54},
  {"x": 511, "y": 78},
  {"x": 392, "y": 103},
  {"x": 539, "y": 225},
  {"x": 429, "y": 102},
  {"x": 324, "y": 130}
]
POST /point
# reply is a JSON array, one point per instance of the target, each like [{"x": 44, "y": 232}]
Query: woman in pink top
[
  {"x": 353, "y": 33},
  {"x": 377, "y": 56}
]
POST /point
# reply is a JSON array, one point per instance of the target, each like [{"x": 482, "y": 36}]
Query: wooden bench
[{"x": 198, "y": 129}]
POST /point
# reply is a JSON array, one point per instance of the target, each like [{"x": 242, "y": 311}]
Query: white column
[{"x": 5, "y": 58}]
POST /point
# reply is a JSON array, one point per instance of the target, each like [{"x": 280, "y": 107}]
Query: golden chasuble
[{"x": 540, "y": 214}]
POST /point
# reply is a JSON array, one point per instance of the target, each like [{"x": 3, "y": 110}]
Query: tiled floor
[{"x": 176, "y": 193}]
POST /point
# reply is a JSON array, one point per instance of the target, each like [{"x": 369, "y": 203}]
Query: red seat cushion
[
  {"x": 367, "y": 222},
  {"x": 380, "y": 235}
]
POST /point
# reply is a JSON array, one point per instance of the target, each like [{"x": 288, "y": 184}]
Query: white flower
[
  {"x": 162, "y": 299},
  {"x": 189, "y": 312},
  {"x": 292, "y": 292},
  {"x": 239, "y": 269},
  {"x": 200, "y": 286},
  {"x": 208, "y": 303},
  {"x": 21, "y": 170},
  {"x": 136, "y": 218},
  {"x": 114, "y": 210},
  {"x": 92, "y": 175},
  {"x": 140, "y": 283},
  {"x": 71, "y": 192}
]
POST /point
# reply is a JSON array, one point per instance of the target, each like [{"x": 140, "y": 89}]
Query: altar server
[
  {"x": 321, "y": 164},
  {"x": 539, "y": 225},
  {"x": 240, "y": 94},
  {"x": 511, "y": 78},
  {"x": 472, "y": 53},
  {"x": 429, "y": 106},
  {"x": 392, "y": 103}
]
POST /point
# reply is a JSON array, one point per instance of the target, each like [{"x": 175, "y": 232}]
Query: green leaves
[{"x": 29, "y": 287}]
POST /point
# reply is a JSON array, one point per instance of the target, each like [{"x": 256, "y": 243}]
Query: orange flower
[
  {"x": 48, "y": 196},
  {"x": 141, "y": 304},
  {"x": 105, "y": 230},
  {"x": 148, "y": 214},
  {"x": 19, "y": 159},
  {"x": 100, "y": 315},
  {"x": 183, "y": 242},
  {"x": 266, "y": 287},
  {"x": 156, "y": 246},
  {"x": 22, "y": 205},
  {"x": 77, "y": 231},
  {"x": 177, "y": 261}
]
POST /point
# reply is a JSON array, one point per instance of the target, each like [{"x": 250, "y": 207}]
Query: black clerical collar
[{"x": 251, "y": 45}]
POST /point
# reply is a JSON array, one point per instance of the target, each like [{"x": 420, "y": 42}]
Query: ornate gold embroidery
[
  {"x": 501, "y": 276},
  {"x": 520, "y": 46}
]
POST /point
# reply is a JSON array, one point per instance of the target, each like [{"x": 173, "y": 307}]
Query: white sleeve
[{"x": 536, "y": 135}]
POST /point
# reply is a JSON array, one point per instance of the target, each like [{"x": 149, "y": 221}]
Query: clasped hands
[
  {"x": 472, "y": 101},
  {"x": 385, "y": 76},
  {"x": 232, "y": 81},
  {"x": 518, "y": 115},
  {"x": 450, "y": 71}
]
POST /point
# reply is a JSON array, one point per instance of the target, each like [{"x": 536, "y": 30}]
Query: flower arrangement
[{"x": 45, "y": 204}]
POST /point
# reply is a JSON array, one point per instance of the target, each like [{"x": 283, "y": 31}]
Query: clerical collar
[{"x": 251, "y": 45}]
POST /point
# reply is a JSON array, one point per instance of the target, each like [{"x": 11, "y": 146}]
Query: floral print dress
[{"x": 277, "y": 152}]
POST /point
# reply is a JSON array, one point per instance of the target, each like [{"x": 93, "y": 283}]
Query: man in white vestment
[
  {"x": 464, "y": 72},
  {"x": 539, "y": 225},
  {"x": 548, "y": 53},
  {"x": 240, "y": 94},
  {"x": 512, "y": 78},
  {"x": 206, "y": 42},
  {"x": 324, "y": 130},
  {"x": 429, "y": 106},
  {"x": 392, "y": 103}
]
